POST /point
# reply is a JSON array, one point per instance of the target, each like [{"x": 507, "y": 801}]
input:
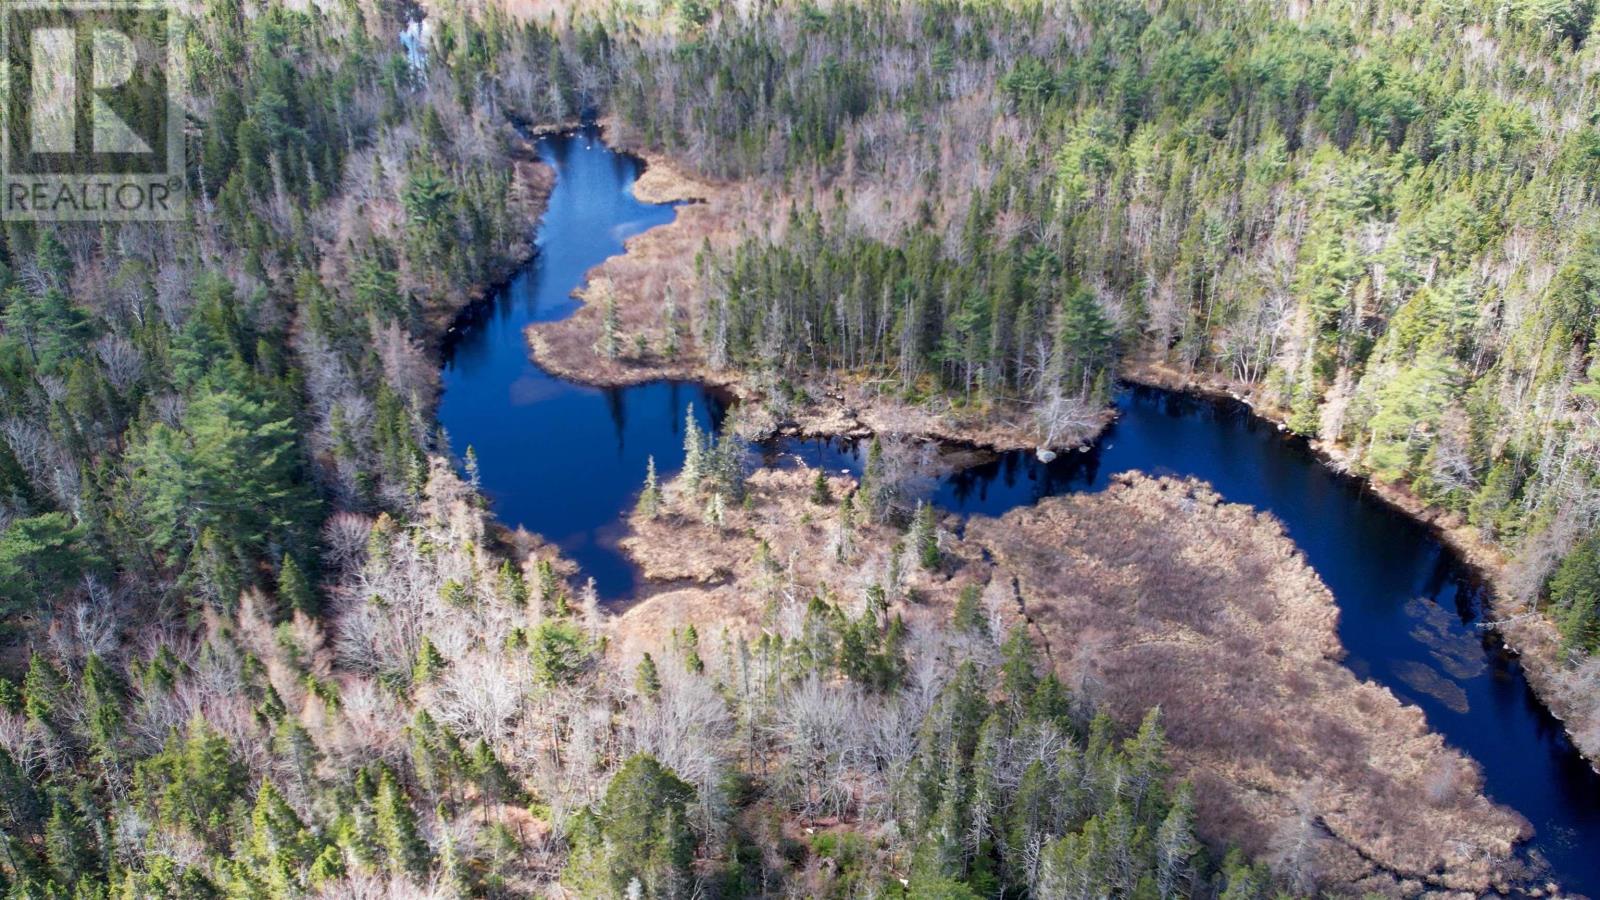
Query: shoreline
[
  {"x": 1532, "y": 640},
  {"x": 745, "y": 387},
  {"x": 539, "y": 180},
  {"x": 1262, "y": 627},
  {"x": 655, "y": 265}
]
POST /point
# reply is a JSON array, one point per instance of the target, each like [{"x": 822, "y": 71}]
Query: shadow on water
[
  {"x": 566, "y": 461},
  {"x": 563, "y": 460}
]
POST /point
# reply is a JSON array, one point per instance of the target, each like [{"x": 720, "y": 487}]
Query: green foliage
[
  {"x": 395, "y": 825},
  {"x": 192, "y": 784},
  {"x": 295, "y": 593},
  {"x": 231, "y": 471},
  {"x": 559, "y": 652},
  {"x": 639, "y": 832},
  {"x": 821, "y": 494},
  {"x": 430, "y": 662},
  {"x": 647, "y": 680},
  {"x": 41, "y": 555},
  {"x": 925, "y": 536},
  {"x": 649, "y": 505},
  {"x": 1575, "y": 595}
]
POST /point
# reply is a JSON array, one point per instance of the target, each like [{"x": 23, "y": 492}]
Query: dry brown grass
[
  {"x": 1152, "y": 593},
  {"x": 1560, "y": 685},
  {"x": 1160, "y": 594}
]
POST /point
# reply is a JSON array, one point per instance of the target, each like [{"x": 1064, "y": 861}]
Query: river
[{"x": 566, "y": 461}]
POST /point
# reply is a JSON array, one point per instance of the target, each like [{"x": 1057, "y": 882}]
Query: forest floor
[
  {"x": 1563, "y": 688},
  {"x": 661, "y": 263},
  {"x": 1219, "y": 622}
]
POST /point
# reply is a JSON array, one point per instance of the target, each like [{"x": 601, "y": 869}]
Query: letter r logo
[
  {"x": 92, "y": 124},
  {"x": 55, "y": 94}
]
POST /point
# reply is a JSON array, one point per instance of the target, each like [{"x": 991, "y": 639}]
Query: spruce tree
[
  {"x": 925, "y": 536},
  {"x": 295, "y": 593},
  {"x": 821, "y": 495},
  {"x": 396, "y": 829},
  {"x": 429, "y": 662},
  {"x": 650, "y": 498},
  {"x": 693, "y": 451},
  {"x": 647, "y": 680}
]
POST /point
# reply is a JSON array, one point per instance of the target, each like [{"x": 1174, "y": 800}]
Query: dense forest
[
  {"x": 1376, "y": 218},
  {"x": 261, "y": 641}
]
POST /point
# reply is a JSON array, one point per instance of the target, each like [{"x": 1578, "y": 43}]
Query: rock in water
[{"x": 1045, "y": 454}]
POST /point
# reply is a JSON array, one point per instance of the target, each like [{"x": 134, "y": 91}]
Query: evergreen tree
[
  {"x": 39, "y": 556},
  {"x": 647, "y": 681},
  {"x": 693, "y": 451},
  {"x": 430, "y": 662},
  {"x": 821, "y": 495},
  {"x": 396, "y": 829},
  {"x": 650, "y": 498},
  {"x": 640, "y": 831},
  {"x": 925, "y": 536},
  {"x": 68, "y": 846},
  {"x": 294, "y": 589}
]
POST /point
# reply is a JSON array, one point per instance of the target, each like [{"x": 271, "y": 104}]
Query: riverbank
[
  {"x": 655, "y": 295},
  {"x": 533, "y": 180},
  {"x": 1568, "y": 691},
  {"x": 1219, "y": 622},
  {"x": 658, "y": 265}
]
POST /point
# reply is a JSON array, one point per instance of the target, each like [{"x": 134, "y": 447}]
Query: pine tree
[
  {"x": 103, "y": 694},
  {"x": 39, "y": 556},
  {"x": 68, "y": 846},
  {"x": 925, "y": 536},
  {"x": 821, "y": 495},
  {"x": 650, "y": 498},
  {"x": 647, "y": 681},
  {"x": 42, "y": 688},
  {"x": 874, "y": 490},
  {"x": 693, "y": 451},
  {"x": 280, "y": 847},
  {"x": 1175, "y": 847},
  {"x": 968, "y": 617},
  {"x": 609, "y": 344},
  {"x": 430, "y": 662},
  {"x": 640, "y": 832},
  {"x": 493, "y": 779},
  {"x": 295, "y": 593},
  {"x": 691, "y": 650},
  {"x": 396, "y": 827},
  {"x": 845, "y": 548},
  {"x": 716, "y": 511}
]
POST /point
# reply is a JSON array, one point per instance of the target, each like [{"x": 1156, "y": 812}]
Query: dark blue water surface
[
  {"x": 565, "y": 461},
  {"x": 561, "y": 460}
]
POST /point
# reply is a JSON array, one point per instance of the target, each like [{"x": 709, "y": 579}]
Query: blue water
[
  {"x": 561, "y": 460},
  {"x": 566, "y": 461}
]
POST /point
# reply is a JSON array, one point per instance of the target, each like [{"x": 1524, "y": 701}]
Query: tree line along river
[{"x": 566, "y": 461}]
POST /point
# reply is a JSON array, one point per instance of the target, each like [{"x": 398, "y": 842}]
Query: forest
[
  {"x": 1375, "y": 219},
  {"x": 261, "y": 640}
]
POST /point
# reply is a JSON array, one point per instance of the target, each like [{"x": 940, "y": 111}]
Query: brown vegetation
[
  {"x": 659, "y": 268},
  {"x": 1156, "y": 592},
  {"x": 1570, "y": 690},
  {"x": 1153, "y": 593}
]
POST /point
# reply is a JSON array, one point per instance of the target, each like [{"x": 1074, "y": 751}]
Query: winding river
[{"x": 565, "y": 461}]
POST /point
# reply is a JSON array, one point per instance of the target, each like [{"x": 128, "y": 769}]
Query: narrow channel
[{"x": 565, "y": 461}]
